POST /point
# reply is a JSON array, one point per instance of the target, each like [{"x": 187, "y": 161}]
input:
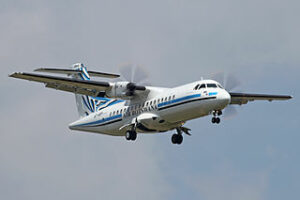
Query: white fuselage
[{"x": 162, "y": 110}]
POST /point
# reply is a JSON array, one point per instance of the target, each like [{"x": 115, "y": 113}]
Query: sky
[{"x": 254, "y": 155}]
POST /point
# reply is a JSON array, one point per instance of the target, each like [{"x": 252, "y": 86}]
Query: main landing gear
[
  {"x": 216, "y": 119},
  {"x": 131, "y": 135},
  {"x": 177, "y": 138}
]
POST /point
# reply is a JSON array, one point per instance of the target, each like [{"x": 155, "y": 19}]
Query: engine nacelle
[
  {"x": 118, "y": 90},
  {"x": 123, "y": 89}
]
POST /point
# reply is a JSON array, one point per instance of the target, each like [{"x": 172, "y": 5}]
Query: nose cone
[
  {"x": 224, "y": 97},
  {"x": 227, "y": 97}
]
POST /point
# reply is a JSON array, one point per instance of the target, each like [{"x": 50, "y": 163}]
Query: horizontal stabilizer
[{"x": 75, "y": 71}]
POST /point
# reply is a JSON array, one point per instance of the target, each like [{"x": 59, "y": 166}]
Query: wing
[
  {"x": 243, "y": 98},
  {"x": 90, "y": 88}
]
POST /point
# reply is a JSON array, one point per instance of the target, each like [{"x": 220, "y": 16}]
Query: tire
[
  {"x": 174, "y": 139},
  {"x": 220, "y": 112},
  {"x": 179, "y": 139},
  {"x": 218, "y": 120},
  {"x": 133, "y": 135},
  {"x": 128, "y": 135},
  {"x": 213, "y": 120}
]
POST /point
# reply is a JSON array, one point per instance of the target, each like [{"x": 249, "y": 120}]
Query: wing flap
[
  {"x": 243, "y": 98},
  {"x": 91, "y": 88}
]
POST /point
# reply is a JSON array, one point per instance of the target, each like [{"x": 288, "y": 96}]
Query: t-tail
[{"x": 85, "y": 104}]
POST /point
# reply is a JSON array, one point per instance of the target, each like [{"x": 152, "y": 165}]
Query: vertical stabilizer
[{"x": 85, "y": 104}]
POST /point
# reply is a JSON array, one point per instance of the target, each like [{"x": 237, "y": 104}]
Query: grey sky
[{"x": 253, "y": 156}]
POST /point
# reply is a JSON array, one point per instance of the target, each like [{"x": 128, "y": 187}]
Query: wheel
[
  {"x": 133, "y": 135},
  {"x": 213, "y": 120},
  {"x": 174, "y": 139},
  {"x": 218, "y": 120},
  {"x": 179, "y": 139},
  {"x": 128, "y": 135},
  {"x": 220, "y": 112}
]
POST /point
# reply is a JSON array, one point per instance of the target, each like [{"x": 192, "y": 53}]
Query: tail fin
[{"x": 85, "y": 104}]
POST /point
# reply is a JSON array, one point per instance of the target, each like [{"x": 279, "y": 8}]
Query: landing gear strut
[
  {"x": 131, "y": 135},
  {"x": 216, "y": 119}
]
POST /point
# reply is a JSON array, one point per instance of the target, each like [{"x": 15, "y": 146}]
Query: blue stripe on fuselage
[
  {"x": 212, "y": 93},
  {"x": 179, "y": 100},
  {"x": 98, "y": 122}
]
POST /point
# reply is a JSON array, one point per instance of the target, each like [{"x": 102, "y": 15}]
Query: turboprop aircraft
[{"x": 126, "y": 108}]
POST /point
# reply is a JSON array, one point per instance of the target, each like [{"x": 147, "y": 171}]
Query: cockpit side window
[
  {"x": 202, "y": 86},
  {"x": 211, "y": 85},
  {"x": 196, "y": 87},
  {"x": 220, "y": 86}
]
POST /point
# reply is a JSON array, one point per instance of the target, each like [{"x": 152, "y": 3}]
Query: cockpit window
[
  {"x": 196, "y": 87},
  {"x": 220, "y": 86},
  {"x": 211, "y": 85},
  {"x": 202, "y": 86}
]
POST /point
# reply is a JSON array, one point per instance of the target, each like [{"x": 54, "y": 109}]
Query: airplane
[{"x": 125, "y": 108}]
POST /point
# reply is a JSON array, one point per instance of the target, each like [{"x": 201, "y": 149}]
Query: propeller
[
  {"x": 229, "y": 82},
  {"x": 136, "y": 75}
]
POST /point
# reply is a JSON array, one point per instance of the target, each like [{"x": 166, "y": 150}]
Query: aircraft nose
[{"x": 225, "y": 97}]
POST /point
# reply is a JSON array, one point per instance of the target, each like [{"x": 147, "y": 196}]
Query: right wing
[
  {"x": 84, "y": 87},
  {"x": 243, "y": 98}
]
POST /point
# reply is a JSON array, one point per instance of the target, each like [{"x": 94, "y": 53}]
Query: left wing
[
  {"x": 243, "y": 98},
  {"x": 84, "y": 87}
]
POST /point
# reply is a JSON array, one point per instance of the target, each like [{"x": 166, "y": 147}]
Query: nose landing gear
[{"x": 216, "y": 119}]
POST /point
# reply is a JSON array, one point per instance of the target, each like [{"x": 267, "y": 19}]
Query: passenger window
[
  {"x": 150, "y": 103},
  {"x": 166, "y": 98},
  {"x": 158, "y": 101},
  {"x": 147, "y": 103},
  {"x": 169, "y": 98},
  {"x": 211, "y": 85},
  {"x": 154, "y": 102},
  {"x": 162, "y": 99},
  {"x": 114, "y": 112},
  {"x": 117, "y": 112},
  {"x": 173, "y": 97}
]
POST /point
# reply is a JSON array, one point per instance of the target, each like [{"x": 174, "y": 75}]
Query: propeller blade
[
  {"x": 140, "y": 74},
  {"x": 231, "y": 82},
  {"x": 126, "y": 71},
  {"x": 229, "y": 112},
  {"x": 219, "y": 77},
  {"x": 134, "y": 73}
]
